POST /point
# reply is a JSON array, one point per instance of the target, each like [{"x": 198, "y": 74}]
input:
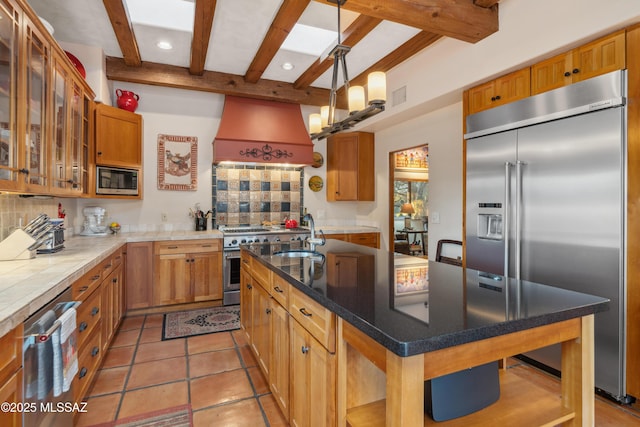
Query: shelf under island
[{"x": 374, "y": 326}]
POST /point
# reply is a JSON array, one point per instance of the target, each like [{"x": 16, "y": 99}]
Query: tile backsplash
[
  {"x": 252, "y": 194},
  {"x": 16, "y": 211}
]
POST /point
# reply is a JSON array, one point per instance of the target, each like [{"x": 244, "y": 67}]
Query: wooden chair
[{"x": 445, "y": 259}]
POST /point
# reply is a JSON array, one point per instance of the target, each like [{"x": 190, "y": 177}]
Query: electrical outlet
[
  {"x": 434, "y": 218},
  {"x": 163, "y": 216}
]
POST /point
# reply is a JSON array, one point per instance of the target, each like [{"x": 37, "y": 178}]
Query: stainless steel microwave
[{"x": 117, "y": 181}]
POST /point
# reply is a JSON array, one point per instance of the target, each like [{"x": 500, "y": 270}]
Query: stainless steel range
[{"x": 233, "y": 237}]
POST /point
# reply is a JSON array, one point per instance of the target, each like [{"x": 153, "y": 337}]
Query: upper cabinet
[
  {"x": 500, "y": 91},
  {"x": 118, "y": 137},
  {"x": 43, "y": 100},
  {"x": 350, "y": 167},
  {"x": 598, "y": 57}
]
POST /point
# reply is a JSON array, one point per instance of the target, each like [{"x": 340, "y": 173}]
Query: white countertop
[{"x": 27, "y": 285}]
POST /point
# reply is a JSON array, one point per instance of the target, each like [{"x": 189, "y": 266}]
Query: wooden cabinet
[
  {"x": 280, "y": 357},
  {"x": 371, "y": 240},
  {"x": 139, "y": 274},
  {"x": 11, "y": 375},
  {"x": 598, "y": 57},
  {"x": 500, "y": 91},
  {"x": 261, "y": 327},
  {"x": 118, "y": 138},
  {"x": 350, "y": 167},
  {"x": 246, "y": 302},
  {"x": 187, "y": 271},
  {"x": 113, "y": 304},
  {"x": 312, "y": 392}
]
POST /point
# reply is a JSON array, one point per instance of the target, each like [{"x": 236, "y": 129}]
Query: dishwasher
[{"x": 49, "y": 363}]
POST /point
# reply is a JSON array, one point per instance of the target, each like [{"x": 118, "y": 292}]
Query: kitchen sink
[{"x": 300, "y": 254}]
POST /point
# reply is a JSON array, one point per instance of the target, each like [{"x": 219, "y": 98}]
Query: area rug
[
  {"x": 178, "y": 416},
  {"x": 183, "y": 324}
]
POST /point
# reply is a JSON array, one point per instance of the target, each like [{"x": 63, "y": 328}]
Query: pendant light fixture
[{"x": 325, "y": 124}]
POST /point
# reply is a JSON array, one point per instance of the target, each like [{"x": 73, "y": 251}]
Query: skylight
[
  {"x": 170, "y": 14},
  {"x": 309, "y": 40}
]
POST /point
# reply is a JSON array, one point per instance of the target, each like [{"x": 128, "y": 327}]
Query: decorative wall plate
[
  {"x": 315, "y": 183},
  {"x": 318, "y": 160}
]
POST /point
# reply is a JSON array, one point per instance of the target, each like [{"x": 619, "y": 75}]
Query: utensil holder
[
  {"x": 16, "y": 246},
  {"x": 201, "y": 224}
]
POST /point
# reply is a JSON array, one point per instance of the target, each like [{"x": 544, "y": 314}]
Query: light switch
[{"x": 434, "y": 218}]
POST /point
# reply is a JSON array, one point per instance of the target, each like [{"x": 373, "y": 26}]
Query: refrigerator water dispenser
[{"x": 490, "y": 226}]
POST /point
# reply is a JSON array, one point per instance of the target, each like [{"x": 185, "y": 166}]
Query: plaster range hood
[{"x": 258, "y": 131}]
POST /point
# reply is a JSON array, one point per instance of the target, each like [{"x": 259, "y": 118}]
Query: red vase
[{"x": 127, "y": 100}]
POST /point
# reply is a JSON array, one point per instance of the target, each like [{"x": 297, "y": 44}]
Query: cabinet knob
[
  {"x": 497, "y": 97},
  {"x": 114, "y": 280},
  {"x": 493, "y": 98},
  {"x": 305, "y": 349},
  {"x": 249, "y": 286},
  {"x": 305, "y": 312},
  {"x": 268, "y": 311},
  {"x": 567, "y": 74},
  {"x": 99, "y": 153},
  {"x": 82, "y": 373},
  {"x": 83, "y": 326},
  {"x": 278, "y": 290},
  {"x": 94, "y": 311},
  {"x": 24, "y": 171},
  {"x": 95, "y": 351},
  {"x": 575, "y": 71}
]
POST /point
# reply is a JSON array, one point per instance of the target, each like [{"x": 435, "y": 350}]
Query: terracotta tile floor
[{"x": 216, "y": 373}]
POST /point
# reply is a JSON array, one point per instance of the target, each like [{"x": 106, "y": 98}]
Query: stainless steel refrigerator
[{"x": 545, "y": 202}]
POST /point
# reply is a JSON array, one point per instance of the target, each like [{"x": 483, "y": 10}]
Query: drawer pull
[
  {"x": 245, "y": 261},
  {"x": 172, "y": 247},
  {"x": 83, "y": 372},
  {"x": 94, "y": 311},
  {"x": 205, "y": 246},
  {"x": 305, "y": 349},
  {"x": 96, "y": 277},
  {"x": 84, "y": 288},
  {"x": 83, "y": 326},
  {"x": 278, "y": 290},
  {"x": 95, "y": 351},
  {"x": 305, "y": 312},
  {"x": 107, "y": 266}
]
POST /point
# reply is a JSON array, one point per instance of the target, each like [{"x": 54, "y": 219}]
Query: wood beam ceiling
[
  {"x": 228, "y": 84},
  {"x": 124, "y": 33},
  {"x": 287, "y": 16},
  {"x": 459, "y": 19},
  {"x": 203, "y": 21}
]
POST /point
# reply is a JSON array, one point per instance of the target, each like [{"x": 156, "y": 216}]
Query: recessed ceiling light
[
  {"x": 164, "y": 45},
  {"x": 287, "y": 66}
]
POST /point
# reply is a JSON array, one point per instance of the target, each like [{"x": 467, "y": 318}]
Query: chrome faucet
[{"x": 313, "y": 240}]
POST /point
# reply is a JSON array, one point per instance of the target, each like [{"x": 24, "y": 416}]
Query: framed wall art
[{"x": 177, "y": 162}]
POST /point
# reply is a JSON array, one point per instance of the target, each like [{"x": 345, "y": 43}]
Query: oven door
[{"x": 231, "y": 291}]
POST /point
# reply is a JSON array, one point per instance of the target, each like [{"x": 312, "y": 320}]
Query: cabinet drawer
[
  {"x": 89, "y": 314},
  {"x": 170, "y": 247},
  {"x": 117, "y": 258},
  {"x": 89, "y": 357},
  {"x": 261, "y": 273},
  {"x": 84, "y": 286},
  {"x": 280, "y": 290},
  {"x": 365, "y": 239},
  {"x": 10, "y": 352},
  {"x": 319, "y": 321}
]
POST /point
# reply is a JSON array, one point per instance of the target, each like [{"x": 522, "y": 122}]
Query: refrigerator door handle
[
  {"x": 507, "y": 215},
  {"x": 518, "y": 233}
]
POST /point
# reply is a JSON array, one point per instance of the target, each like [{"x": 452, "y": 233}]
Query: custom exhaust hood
[{"x": 253, "y": 130}]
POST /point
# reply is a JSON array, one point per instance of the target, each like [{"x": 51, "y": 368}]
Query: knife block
[{"x": 16, "y": 246}]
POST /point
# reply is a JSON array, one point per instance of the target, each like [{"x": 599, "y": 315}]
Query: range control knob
[
  {"x": 234, "y": 242},
  {"x": 243, "y": 241},
  {"x": 266, "y": 240}
]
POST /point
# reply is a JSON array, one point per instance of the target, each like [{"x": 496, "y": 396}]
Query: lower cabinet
[
  {"x": 187, "y": 271},
  {"x": 11, "y": 375},
  {"x": 139, "y": 274},
  {"x": 313, "y": 378},
  {"x": 113, "y": 304},
  {"x": 371, "y": 240},
  {"x": 295, "y": 351}
]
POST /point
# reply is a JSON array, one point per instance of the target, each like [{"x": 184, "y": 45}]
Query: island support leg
[
  {"x": 405, "y": 391},
  {"x": 577, "y": 381}
]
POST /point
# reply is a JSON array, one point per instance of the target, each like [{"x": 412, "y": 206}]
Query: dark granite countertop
[{"x": 411, "y": 305}]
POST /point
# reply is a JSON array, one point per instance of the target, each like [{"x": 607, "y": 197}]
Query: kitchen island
[{"x": 402, "y": 320}]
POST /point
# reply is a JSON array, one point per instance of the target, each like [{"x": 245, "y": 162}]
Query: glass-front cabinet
[
  {"x": 45, "y": 108},
  {"x": 9, "y": 38},
  {"x": 35, "y": 146}
]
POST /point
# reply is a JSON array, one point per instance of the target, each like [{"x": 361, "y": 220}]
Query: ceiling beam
[
  {"x": 460, "y": 19},
  {"x": 358, "y": 29},
  {"x": 401, "y": 54},
  {"x": 287, "y": 16},
  {"x": 202, "y": 23},
  {"x": 126, "y": 39},
  {"x": 150, "y": 73}
]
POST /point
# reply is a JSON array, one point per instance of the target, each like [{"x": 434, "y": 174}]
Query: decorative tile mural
[{"x": 246, "y": 194}]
